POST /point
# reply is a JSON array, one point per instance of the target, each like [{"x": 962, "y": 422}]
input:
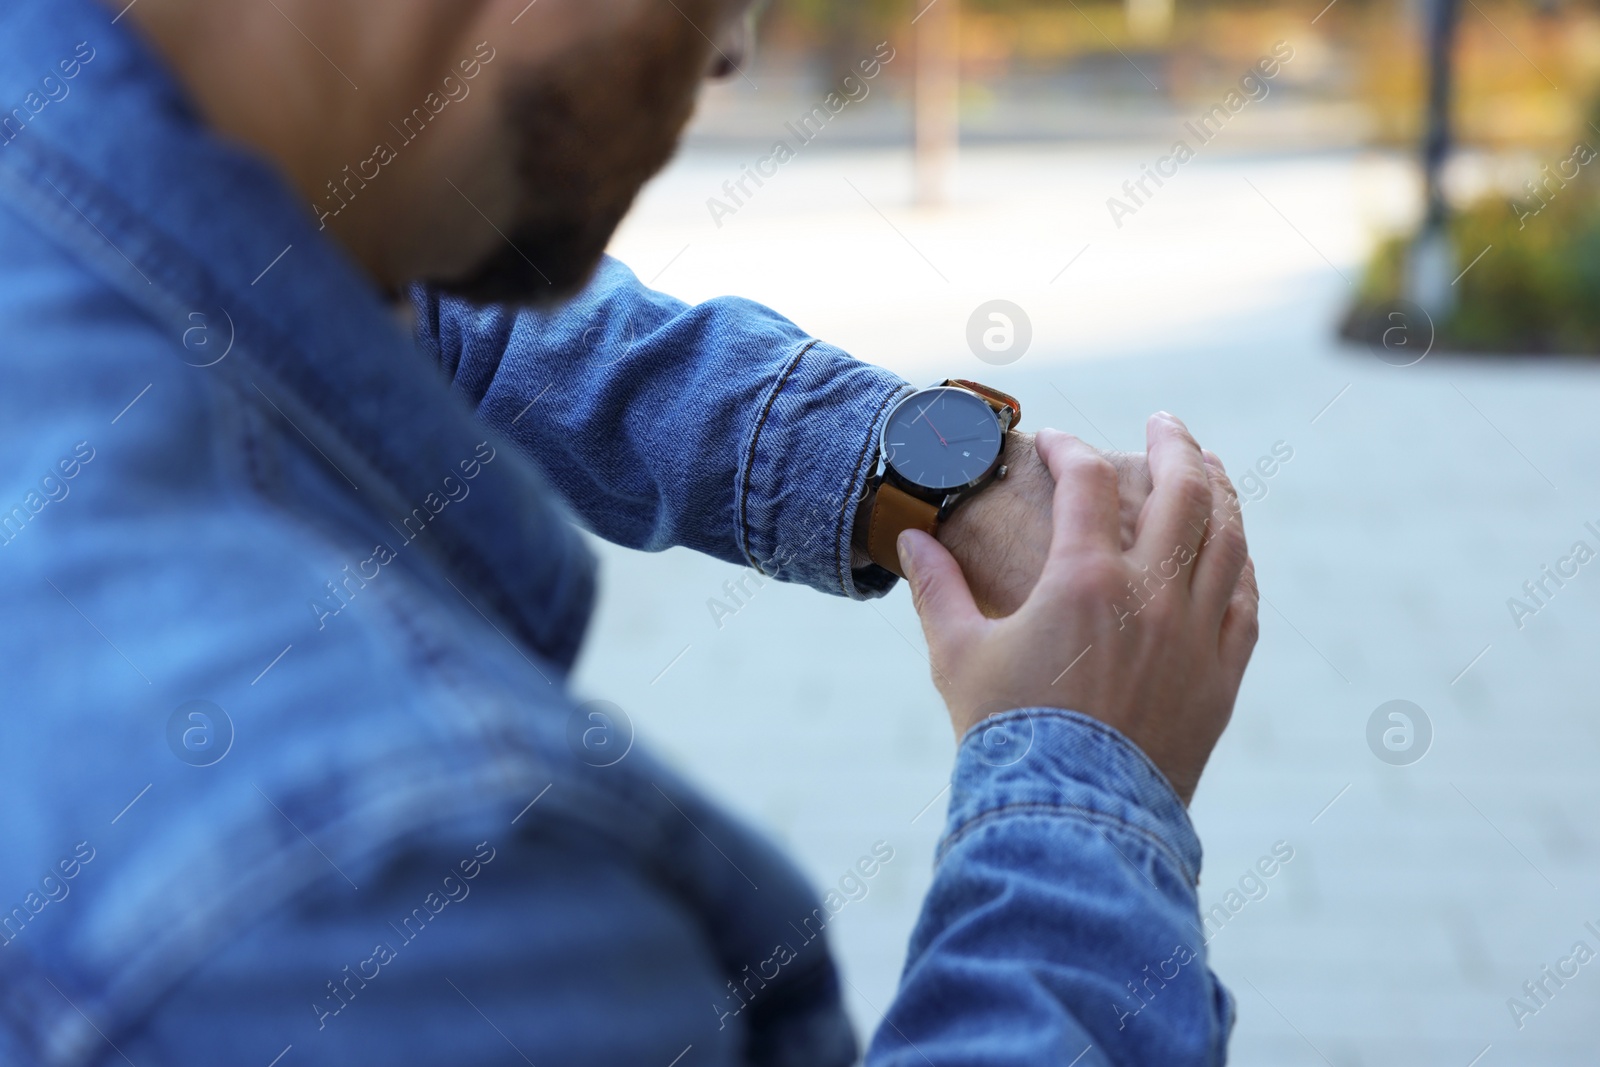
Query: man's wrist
[{"x": 973, "y": 530}]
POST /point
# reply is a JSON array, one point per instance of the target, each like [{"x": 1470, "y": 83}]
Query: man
[{"x": 291, "y": 773}]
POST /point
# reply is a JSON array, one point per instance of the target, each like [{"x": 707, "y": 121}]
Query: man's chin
[{"x": 528, "y": 274}]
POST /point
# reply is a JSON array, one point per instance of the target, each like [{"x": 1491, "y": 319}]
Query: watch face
[{"x": 942, "y": 438}]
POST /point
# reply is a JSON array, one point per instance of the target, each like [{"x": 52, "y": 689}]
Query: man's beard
[{"x": 590, "y": 130}]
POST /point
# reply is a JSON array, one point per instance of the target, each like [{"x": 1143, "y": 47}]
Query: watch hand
[
  {"x": 971, "y": 437},
  {"x": 934, "y": 428}
]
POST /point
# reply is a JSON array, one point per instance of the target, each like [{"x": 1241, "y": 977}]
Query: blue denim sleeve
[
  {"x": 720, "y": 426},
  {"x": 1062, "y": 925}
]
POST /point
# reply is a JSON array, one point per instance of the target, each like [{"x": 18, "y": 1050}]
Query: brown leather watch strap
[
  {"x": 1001, "y": 402},
  {"x": 894, "y": 510}
]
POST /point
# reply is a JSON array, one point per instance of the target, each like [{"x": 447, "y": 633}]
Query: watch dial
[{"x": 942, "y": 438}]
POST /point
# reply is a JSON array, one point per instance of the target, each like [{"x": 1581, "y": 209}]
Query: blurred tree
[{"x": 1149, "y": 21}]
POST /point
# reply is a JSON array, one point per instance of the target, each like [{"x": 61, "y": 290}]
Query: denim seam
[
  {"x": 844, "y": 505},
  {"x": 1067, "y": 811},
  {"x": 1111, "y": 733},
  {"x": 750, "y": 456}
]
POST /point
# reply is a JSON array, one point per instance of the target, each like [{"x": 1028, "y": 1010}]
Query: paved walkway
[{"x": 1417, "y": 501}]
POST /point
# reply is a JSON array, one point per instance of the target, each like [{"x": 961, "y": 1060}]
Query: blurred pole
[
  {"x": 1431, "y": 266},
  {"x": 1436, "y": 143},
  {"x": 937, "y": 98}
]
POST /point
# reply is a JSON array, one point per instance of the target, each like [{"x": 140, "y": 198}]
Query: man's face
[{"x": 586, "y": 104}]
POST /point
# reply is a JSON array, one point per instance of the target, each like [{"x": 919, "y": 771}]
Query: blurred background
[{"x": 1392, "y": 358}]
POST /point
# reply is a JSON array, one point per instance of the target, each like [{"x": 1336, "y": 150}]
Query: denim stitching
[
  {"x": 1066, "y": 811},
  {"x": 1079, "y": 718},
  {"x": 750, "y": 456}
]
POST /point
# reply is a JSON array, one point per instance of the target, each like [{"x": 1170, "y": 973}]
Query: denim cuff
[
  {"x": 804, "y": 470},
  {"x": 1053, "y": 761}
]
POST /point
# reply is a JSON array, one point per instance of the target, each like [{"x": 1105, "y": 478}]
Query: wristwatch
[{"x": 939, "y": 447}]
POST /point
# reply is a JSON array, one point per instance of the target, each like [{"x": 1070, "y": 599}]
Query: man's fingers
[
  {"x": 1087, "y": 510},
  {"x": 1180, "y": 500},
  {"x": 1224, "y": 551},
  {"x": 938, "y": 589}
]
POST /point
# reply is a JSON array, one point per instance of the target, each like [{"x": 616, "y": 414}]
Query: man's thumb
[{"x": 938, "y": 588}]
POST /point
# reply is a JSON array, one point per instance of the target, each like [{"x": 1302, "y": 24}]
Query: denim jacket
[{"x": 291, "y": 773}]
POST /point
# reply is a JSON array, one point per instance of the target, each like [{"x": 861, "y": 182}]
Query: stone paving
[{"x": 1417, "y": 502}]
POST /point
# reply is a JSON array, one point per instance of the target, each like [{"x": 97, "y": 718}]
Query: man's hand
[
  {"x": 1002, "y": 535},
  {"x": 1151, "y": 637}
]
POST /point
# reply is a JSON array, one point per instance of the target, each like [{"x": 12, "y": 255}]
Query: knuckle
[
  {"x": 1251, "y": 623},
  {"x": 1091, "y": 467},
  {"x": 1234, "y": 510},
  {"x": 1098, "y": 577},
  {"x": 1251, "y": 585},
  {"x": 1223, "y": 489},
  {"x": 1060, "y": 447},
  {"x": 1247, "y": 629}
]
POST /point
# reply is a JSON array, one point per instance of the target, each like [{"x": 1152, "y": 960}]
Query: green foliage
[{"x": 1536, "y": 289}]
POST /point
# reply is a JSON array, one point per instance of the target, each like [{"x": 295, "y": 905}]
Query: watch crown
[{"x": 1001, "y": 473}]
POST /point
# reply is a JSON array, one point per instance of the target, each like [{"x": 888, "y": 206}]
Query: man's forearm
[
  {"x": 722, "y": 427},
  {"x": 725, "y": 428}
]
